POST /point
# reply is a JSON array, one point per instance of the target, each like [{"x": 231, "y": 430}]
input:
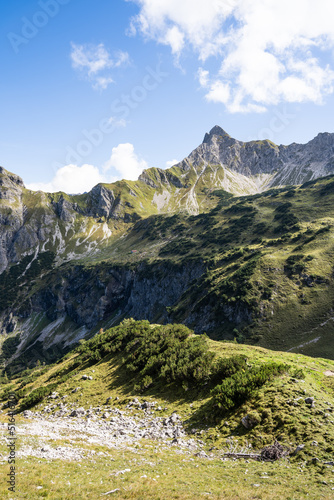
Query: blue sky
[{"x": 95, "y": 91}]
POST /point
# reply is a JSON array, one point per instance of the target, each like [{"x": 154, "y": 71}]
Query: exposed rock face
[
  {"x": 86, "y": 298},
  {"x": 64, "y": 210},
  {"x": 246, "y": 158},
  {"x": 11, "y": 213},
  {"x": 10, "y": 183},
  {"x": 155, "y": 177},
  {"x": 32, "y": 222},
  {"x": 304, "y": 162},
  {"x": 101, "y": 201},
  {"x": 222, "y": 162},
  {"x": 283, "y": 165}
]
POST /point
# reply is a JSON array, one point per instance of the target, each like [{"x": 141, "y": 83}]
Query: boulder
[
  {"x": 79, "y": 412},
  {"x": 249, "y": 421}
]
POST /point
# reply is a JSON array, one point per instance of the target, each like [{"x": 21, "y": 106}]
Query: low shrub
[
  {"x": 36, "y": 396},
  {"x": 242, "y": 385}
]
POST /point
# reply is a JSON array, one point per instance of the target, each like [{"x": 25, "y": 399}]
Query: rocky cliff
[{"x": 263, "y": 162}]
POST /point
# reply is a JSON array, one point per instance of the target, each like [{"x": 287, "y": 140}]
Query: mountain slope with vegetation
[
  {"x": 183, "y": 245},
  {"x": 256, "y": 268}
]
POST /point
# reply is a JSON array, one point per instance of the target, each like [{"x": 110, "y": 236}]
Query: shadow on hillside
[{"x": 124, "y": 382}]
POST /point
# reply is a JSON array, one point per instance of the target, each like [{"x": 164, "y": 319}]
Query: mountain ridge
[
  {"x": 173, "y": 246},
  {"x": 220, "y": 162}
]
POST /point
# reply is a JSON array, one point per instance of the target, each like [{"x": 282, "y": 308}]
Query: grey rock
[
  {"x": 79, "y": 412},
  {"x": 174, "y": 418},
  {"x": 147, "y": 405},
  {"x": 102, "y": 201},
  {"x": 249, "y": 421},
  {"x": 299, "y": 448},
  {"x": 45, "y": 449}
]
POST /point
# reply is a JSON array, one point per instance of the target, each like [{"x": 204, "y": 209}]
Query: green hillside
[
  {"x": 258, "y": 269},
  {"x": 268, "y": 256},
  {"x": 212, "y": 386}
]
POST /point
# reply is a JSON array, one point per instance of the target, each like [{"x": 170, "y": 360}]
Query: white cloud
[
  {"x": 125, "y": 161},
  {"x": 91, "y": 60},
  {"x": 270, "y": 51},
  {"x": 175, "y": 38},
  {"x": 90, "y": 57},
  {"x": 173, "y": 22},
  {"x": 121, "y": 59},
  {"x": 203, "y": 77},
  {"x": 123, "y": 164},
  {"x": 219, "y": 92},
  {"x": 102, "y": 82},
  {"x": 171, "y": 163},
  {"x": 118, "y": 122},
  {"x": 71, "y": 179}
]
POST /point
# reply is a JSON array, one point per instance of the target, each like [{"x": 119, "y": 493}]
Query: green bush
[
  {"x": 242, "y": 385},
  {"x": 9, "y": 347},
  {"x": 226, "y": 367},
  {"x": 295, "y": 264},
  {"x": 164, "y": 352},
  {"x": 36, "y": 396}
]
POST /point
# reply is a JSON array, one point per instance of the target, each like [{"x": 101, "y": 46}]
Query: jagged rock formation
[
  {"x": 262, "y": 162},
  {"x": 11, "y": 212}
]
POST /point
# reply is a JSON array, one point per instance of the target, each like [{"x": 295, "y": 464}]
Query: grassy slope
[
  {"x": 279, "y": 404},
  {"x": 160, "y": 474}
]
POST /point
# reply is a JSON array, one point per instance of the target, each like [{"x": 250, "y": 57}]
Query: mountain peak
[
  {"x": 216, "y": 130},
  {"x": 6, "y": 178}
]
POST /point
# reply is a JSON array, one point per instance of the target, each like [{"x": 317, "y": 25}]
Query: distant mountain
[
  {"x": 73, "y": 225},
  {"x": 250, "y": 167},
  {"x": 70, "y": 263}
]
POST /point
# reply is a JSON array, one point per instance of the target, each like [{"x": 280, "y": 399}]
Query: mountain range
[{"x": 222, "y": 242}]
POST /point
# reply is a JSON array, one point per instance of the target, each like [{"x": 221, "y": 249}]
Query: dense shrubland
[{"x": 169, "y": 354}]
